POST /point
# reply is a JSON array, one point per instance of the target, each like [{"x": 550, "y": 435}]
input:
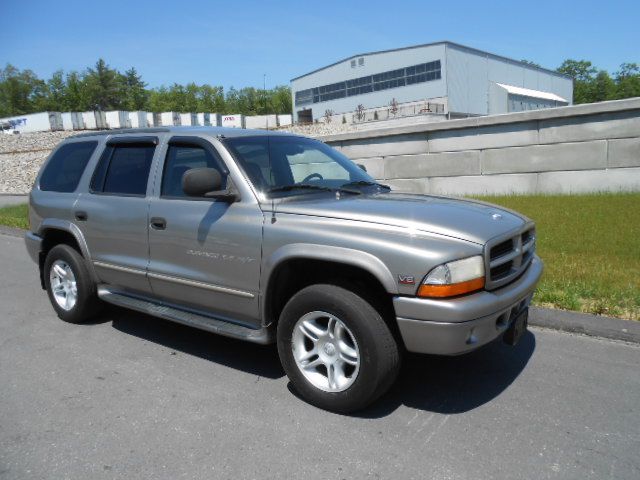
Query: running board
[{"x": 262, "y": 335}]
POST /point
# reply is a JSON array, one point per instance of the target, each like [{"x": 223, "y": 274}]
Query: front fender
[{"x": 356, "y": 258}]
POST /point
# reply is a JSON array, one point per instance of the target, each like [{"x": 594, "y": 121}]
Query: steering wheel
[{"x": 313, "y": 175}]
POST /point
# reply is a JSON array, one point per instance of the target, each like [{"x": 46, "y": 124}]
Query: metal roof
[
  {"x": 527, "y": 92},
  {"x": 213, "y": 131},
  {"x": 444, "y": 42}
]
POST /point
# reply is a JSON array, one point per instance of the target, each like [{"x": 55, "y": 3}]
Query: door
[
  {"x": 204, "y": 253},
  {"x": 113, "y": 216}
]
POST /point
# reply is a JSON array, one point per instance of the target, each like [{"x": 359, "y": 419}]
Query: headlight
[{"x": 454, "y": 278}]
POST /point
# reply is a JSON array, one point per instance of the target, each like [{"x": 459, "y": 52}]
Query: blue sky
[{"x": 233, "y": 43}]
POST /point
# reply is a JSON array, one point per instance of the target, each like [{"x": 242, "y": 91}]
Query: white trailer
[
  {"x": 138, "y": 119},
  {"x": 35, "y": 122},
  {"x": 67, "y": 121},
  {"x": 233, "y": 121},
  {"x": 101, "y": 120},
  {"x": 284, "y": 120},
  {"x": 117, "y": 119},
  {"x": 169, "y": 118},
  {"x": 188, "y": 119},
  {"x": 150, "y": 119},
  {"x": 264, "y": 122},
  {"x": 77, "y": 120}
]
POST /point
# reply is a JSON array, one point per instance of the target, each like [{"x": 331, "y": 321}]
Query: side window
[
  {"x": 124, "y": 169},
  {"x": 183, "y": 157},
  {"x": 65, "y": 168}
]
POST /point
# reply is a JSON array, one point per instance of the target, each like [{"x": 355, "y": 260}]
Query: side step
[{"x": 262, "y": 335}]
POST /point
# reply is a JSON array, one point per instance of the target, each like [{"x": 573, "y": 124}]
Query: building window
[
  {"x": 353, "y": 64},
  {"x": 424, "y": 72}
]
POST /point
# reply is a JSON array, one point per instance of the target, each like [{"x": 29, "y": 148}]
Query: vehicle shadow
[
  {"x": 451, "y": 385},
  {"x": 248, "y": 357},
  {"x": 439, "y": 384}
]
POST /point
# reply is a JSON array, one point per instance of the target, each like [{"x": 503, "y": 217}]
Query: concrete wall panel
[
  {"x": 540, "y": 158},
  {"x": 494, "y": 136},
  {"x": 524, "y": 183},
  {"x": 624, "y": 152},
  {"x": 433, "y": 165},
  {"x": 396, "y": 145},
  {"x": 592, "y": 127},
  {"x": 413, "y": 185}
]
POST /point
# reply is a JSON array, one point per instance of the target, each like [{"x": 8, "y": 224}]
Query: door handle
[
  {"x": 158, "y": 223},
  {"x": 81, "y": 216}
]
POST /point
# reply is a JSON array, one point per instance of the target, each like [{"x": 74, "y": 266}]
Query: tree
[
  {"x": 603, "y": 87},
  {"x": 583, "y": 74},
  {"x": 20, "y": 91},
  {"x": 76, "y": 93},
  {"x": 628, "y": 81},
  {"x": 105, "y": 87},
  {"x": 135, "y": 94}
]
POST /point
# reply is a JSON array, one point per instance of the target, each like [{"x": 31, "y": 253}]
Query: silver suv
[{"x": 271, "y": 237}]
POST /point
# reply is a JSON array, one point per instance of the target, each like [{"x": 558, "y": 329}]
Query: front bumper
[
  {"x": 459, "y": 325},
  {"x": 33, "y": 243}
]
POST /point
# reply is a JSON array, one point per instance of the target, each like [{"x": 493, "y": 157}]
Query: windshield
[{"x": 283, "y": 165}]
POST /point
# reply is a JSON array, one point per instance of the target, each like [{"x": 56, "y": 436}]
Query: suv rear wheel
[
  {"x": 336, "y": 348},
  {"x": 69, "y": 286}
]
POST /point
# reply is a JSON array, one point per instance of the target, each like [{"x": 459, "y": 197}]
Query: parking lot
[{"x": 131, "y": 396}]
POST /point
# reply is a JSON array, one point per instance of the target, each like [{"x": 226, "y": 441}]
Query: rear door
[
  {"x": 114, "y": 214},
  {"x": 204, "y": 253}
]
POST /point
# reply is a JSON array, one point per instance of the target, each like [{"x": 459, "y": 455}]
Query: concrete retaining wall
[{"x": 576, "y": 149}]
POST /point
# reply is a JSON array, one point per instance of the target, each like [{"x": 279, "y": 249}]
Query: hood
[{"x": 465, "y": 219}]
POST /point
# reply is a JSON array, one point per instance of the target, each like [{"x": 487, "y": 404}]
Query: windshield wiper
[
  {"x": 297, "y": 186},
  {"x": 365, "y": 183},
  {"x": 306, "y": 186}
]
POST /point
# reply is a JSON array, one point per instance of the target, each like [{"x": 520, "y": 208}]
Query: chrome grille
[{"x": 508, "y": 255}]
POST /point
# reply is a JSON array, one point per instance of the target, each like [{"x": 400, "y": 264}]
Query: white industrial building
[{"x": 466, "y": 81}]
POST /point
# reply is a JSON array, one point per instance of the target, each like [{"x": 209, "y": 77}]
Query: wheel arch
[
  {"x": 296, "y": 266},
  {"x": 55, "y": 232}
]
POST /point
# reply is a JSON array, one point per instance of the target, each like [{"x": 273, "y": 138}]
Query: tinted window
[
  {"x": 181, "y": 158},
  {"x": 65, "y": 168},
  {"x": 124, "y": 169}
]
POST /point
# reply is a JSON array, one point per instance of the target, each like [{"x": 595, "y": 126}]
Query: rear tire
[
  {"x": 71, "y": 290},
  {"x": 343, "y": 371}
]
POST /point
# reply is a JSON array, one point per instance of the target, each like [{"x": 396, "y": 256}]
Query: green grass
[
  {"x": 15, "y": 216},
  {"x": 590, "y": 245}
]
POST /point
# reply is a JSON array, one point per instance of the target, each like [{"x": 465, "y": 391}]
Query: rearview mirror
[
  {"x": 362, "y": 166},
  {"x": 205, "y": 182}
]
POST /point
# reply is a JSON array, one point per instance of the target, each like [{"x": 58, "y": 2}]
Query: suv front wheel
[
  {"x": 336, "y": 348},
  {"x": 71, "y": 290}
]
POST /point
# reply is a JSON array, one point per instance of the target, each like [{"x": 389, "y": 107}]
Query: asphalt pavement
[{"x": 130, "y": 396}]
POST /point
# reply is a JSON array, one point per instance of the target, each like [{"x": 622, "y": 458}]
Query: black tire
[
  {"x": 379, "y": 352},
  {"x": 87, "y": 304}
]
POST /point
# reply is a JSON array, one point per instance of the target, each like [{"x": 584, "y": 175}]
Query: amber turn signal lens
[{"x": 440, "y": 291}]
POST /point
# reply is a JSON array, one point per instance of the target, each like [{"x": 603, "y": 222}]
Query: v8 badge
[{"x": 406, "y": 280}]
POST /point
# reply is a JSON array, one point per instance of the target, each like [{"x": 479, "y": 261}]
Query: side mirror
[
  {"x": 205, "y": 182},
  {"x": 362, "y": 166}
]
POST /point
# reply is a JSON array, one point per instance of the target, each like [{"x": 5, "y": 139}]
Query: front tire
[
  {"x": 336, "y": 348},
  {"x": 71, "y": 290}
]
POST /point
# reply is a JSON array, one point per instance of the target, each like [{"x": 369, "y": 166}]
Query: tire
[
  {"x": 364, "y": 332},
  {"x": 65, "y": 259}
]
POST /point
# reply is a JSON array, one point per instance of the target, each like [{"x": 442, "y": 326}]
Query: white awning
[{"x": 527, "y": 92}]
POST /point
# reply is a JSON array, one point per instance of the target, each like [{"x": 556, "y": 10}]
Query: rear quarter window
[{"x": 64, "y": 169}]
